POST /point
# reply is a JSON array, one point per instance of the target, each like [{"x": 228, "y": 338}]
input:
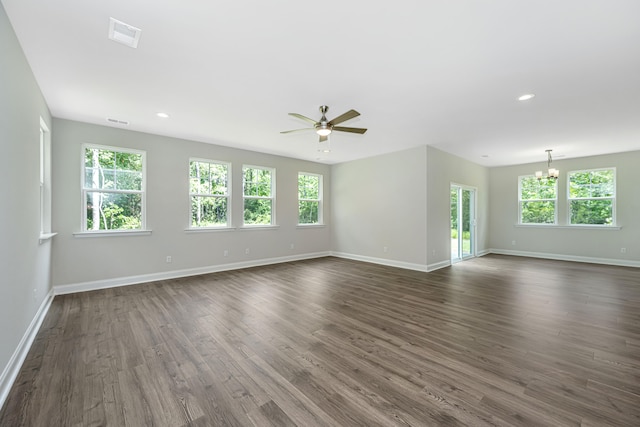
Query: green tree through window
[
  {"x": 538, "y": 200},
  {"x": 209, "y": 193},
  {"x": 309, "y": 198},
  {"x": 258, "y": 195},
  {"x": 592, "y": 195},
  {"x": 113, "y": 188}
]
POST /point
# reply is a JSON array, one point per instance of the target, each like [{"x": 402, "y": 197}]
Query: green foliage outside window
[
  {"x": 258, "y": 201},
  {"x": 208, "y": 187},
  {"x": 537, "y": 200},
  {"x": 308, "y": 199},
  {"x": 591, "y": 197},
  {"x": 113, "y": 189}
]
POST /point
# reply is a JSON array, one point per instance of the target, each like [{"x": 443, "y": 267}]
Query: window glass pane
[
  {"x": 128, "y": 161},
  {"x": 593, "y": 211},
  {"x": 109, "y": 211},
  {"x": 257, "y": 211},
  {"x": 257, "y": 182},
  {"x": 250, "y": 186},
  {"x": 532, "y": 188},
  {"x": 218, "y": 179},
  {"x": 590, "y": 184},
  {"x": 98, "y": 178},
  {"x": 539, "y": 212},
  {"x": 128, "y": 180},
  {"x": 96, "y": 157},
  {"x": 106, "y": 169},
  {"x": 199, "y": 182},
  {"x": 89, "y": 174},
  {"x": 264, "y": 183},
  {"x": 308, "y": 212},
  {"x": 208, "y": 211},
  {"x": 308, "y": 186}
]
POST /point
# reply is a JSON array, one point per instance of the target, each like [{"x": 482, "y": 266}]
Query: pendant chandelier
[{"x": 552, "y": 173}]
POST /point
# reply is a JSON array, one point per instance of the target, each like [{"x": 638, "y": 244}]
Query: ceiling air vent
[
  {"x": 118, "y": 122},
  {"x": 124, "y": 33}
]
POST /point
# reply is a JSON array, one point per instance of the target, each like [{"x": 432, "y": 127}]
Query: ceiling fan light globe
[{"x": 323, "y": 131}]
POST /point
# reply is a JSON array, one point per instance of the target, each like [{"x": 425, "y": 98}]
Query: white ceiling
[{"x": 443, "y": 73}]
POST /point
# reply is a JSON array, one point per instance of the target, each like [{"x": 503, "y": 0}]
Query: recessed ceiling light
[
  {"x": 526, "y": 96},
  {"x": 162, "y": 115},
  {"x": 124, "y": 33}
]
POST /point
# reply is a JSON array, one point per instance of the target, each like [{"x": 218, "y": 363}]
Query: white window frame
[
  {"x": 142, "y": 191},
  {"x": 45, "y": 182},
  {"x": 613, "y": 199},
  {"x": 520, "y": 201},
  {"x": 318, "y": 200},
  {"x": 272, "y": 197},
  {"x": 227, "y": 195}
]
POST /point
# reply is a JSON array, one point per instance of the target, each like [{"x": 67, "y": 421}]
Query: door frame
[{"x": 473, "y": 219}]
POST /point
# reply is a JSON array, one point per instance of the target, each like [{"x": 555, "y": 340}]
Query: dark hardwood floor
[{"x": 496, "y": 340}]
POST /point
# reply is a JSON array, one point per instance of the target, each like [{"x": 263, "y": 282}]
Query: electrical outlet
[
  {"x": 623, "y": 250},
  {"x": 168, "y": 260},
  {"x": 385, "y": 249},
  {"x": 292, "y": 246},
  {"x": 226, "y": 252},
  {"x": 513, "y": 242},
  {"x": 246, "y": 251}
]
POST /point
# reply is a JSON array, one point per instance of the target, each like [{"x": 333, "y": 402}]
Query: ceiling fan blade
[
  {"x": 347, "y": 129},
  {"x": 296, "y": 130},
  {"x": 344, "y": 117},
  {"x": 300, "y": 116},
  {"x": 323, "y": 138}
]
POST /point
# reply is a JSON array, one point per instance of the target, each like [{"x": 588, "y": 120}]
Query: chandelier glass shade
[{"x": 552, "y": 173}]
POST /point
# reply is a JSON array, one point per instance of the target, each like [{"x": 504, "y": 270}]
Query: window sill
[
  {"x": 310, "y": 226},
  {"x": 119, "y": 233},
  {"x": 579, "y": 227},
  {"x": 208, "y": 229},
  {"x": 45, "y": 236},
  {"x": 258, "y": 227}
]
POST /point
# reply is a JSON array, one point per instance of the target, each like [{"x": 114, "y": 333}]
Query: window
[
  {"x": 309, "y": 198},
  {"x": 592, "y": 197},
  {"x": 113, "y": 189},
  {"x": 45, "y": 179},
  {"x": 209, "y": 193},
  {"x": 258, "y": 184},
  {"x": 537, "y": 200}
]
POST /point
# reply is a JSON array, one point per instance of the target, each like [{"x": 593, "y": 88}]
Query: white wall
[
  {"x": 443, "y": 169},
  {"x": 381, "y": 202},
  {"x": 401, "y": 201},
  {"x": 599, "y": 245},
  {"x": 24, "y": 263},
  {"x": 113, "y": 260}
]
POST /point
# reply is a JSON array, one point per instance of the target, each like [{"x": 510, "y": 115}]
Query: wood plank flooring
[{"x": 494, "y": 341}]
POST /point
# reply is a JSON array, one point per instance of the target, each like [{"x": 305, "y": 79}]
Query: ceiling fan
[{"x": 324, "y": 127}]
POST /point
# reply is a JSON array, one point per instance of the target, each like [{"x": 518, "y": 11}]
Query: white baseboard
[
  {"x": 12, "y": 369},
  {"x": 561, "y": 257},
  {"x": 439, "y": 265},
  {"x": 382, "y": 261},
  {"x": 152, "y": 277}
]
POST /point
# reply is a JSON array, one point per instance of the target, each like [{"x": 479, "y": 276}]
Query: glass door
[{"x": 462, "y": 222}]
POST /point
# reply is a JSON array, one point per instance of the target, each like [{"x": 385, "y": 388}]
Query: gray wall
[
  {"x": 83, "y": 260},
  {"x": 566, "y": 242},
  {"x": 401, "y": 201},
  {"x": 24, "y": 263},
  {"x": 443, "y": 170},
  {"x": 381, "y": 202}
]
